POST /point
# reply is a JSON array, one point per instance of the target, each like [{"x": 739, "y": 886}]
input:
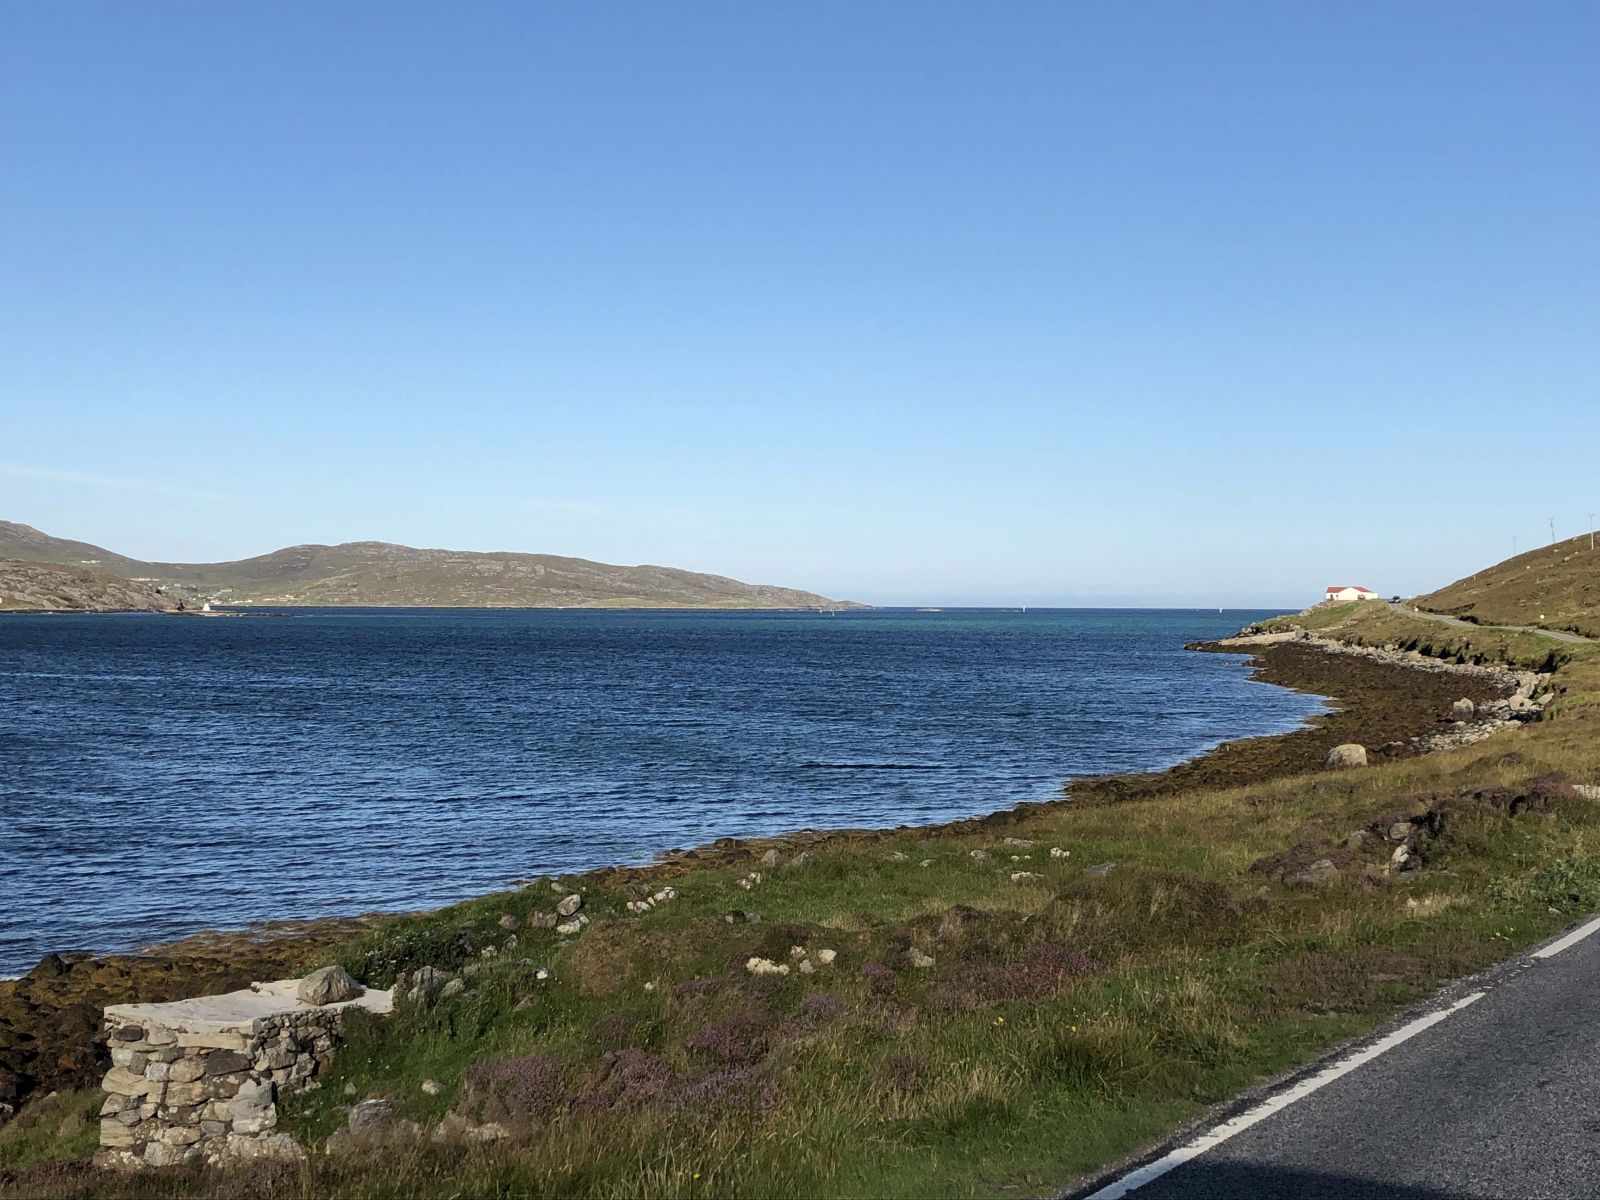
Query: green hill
[
  {"x": 380, "y": 574},
  {"x": 54, "y": 587},
  {"x": 1556, "y": 587}
]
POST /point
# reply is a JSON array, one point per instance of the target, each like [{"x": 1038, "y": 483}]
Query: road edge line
[
  {"x": 1570, "y": 940},
  {"x": 1218, "y": 1134}
]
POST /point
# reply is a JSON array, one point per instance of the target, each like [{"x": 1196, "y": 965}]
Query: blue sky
[{"x": 915, "y": 302}]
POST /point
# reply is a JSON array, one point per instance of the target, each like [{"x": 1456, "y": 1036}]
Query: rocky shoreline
[{"x": 1397, "y": 703}]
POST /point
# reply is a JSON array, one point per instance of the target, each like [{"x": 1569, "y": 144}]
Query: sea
[{"x": 162, "y": 775}]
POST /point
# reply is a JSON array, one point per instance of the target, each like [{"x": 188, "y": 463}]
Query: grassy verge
[{"x": 998, "y": 1018}]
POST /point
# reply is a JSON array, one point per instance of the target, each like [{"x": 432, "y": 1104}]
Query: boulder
[
  {"x": 426, "y": 981},
  {"x": 1463, "y": 709},
  {"x": 918, "y": 959},
  {"x": 372, "y": 1116},
  {"x": 328, "y": 985},
  {"x": 1314, "y": 876},
  {"x": 570, "y": 905},
  {"x": 1348, "y": 755},
  {"x": 1100, "y": 870}
]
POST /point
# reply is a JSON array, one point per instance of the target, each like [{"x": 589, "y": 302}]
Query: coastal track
[
  {"x": 1488, "y": 1091},
  {"x": 1556, "y": 634}
]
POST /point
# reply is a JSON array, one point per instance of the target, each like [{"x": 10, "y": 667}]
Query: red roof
[{"x": 1347, "y": 587}]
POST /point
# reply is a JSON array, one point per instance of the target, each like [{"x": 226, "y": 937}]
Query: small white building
[{"x": 1339, "y": 593}]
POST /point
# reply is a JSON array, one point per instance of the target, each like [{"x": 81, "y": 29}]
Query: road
[
  {"x": 1494, "y": 1091},
  {"x": 1556, "y": 634}
]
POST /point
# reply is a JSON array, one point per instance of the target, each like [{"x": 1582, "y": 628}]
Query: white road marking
[
  {"x": 1572, "y": 939},
  {"x": 1221, "y": 1133}
]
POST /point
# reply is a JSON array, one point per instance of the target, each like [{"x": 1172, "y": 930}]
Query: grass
[
  {"x": 1556, "y": 586},
  {"x": 1064, "y": 1021},
  {"x": 60, "y": 1125}
]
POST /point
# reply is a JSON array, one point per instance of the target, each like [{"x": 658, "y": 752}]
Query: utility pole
[
  {"x": 1513, "y": 545},
  {"x": 1552, "y": 531},
  {"x": 1591, "y": 531}
]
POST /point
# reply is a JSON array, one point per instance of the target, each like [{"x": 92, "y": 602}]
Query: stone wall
[{"x": 198, "y": 1081}]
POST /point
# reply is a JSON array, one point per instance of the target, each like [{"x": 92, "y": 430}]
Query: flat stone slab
[{"x": 237, "y": 1012}]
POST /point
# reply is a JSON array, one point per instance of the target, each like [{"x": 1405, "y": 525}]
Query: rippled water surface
[{"x": 160, "y": 775}]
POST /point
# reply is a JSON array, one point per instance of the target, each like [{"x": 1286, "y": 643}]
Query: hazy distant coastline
[{"x": 361, "y": 575}]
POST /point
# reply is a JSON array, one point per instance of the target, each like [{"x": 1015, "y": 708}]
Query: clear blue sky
[{"x": 917, "y": 302}]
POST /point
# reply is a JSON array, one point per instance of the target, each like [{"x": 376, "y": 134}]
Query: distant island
[{"x": 41, "y": 572}]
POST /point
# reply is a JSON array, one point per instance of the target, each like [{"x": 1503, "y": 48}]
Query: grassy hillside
[
  {"x": 1557, "y": 587},
  {"x": 27, "y": 544},
  {"x": 379, "y": 574},
  {"x": 48, "y": 587}
]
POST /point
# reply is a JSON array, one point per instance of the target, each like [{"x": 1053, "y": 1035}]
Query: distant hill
[
  {"x": 53, "y": 587},
  {"x": 1557, "y": 587},
  {"x": 380, "y": 574}
]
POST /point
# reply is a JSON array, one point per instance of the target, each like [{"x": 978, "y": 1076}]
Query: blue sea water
[{"x": 161, "y": 775}]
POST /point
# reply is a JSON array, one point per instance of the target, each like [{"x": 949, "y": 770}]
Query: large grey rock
[
  {"x": 372, "y": 1116},
  {"x": 371, "y": 1121},
  {"x": 328, "y": 985},
  {"x": 569, "y": 905},
  {"x": 1347, "y": 755},
  {"x": 426, "y": 981},
  {"x": 1463, "y": 709},
  {"x": 1314, "y": 876}
]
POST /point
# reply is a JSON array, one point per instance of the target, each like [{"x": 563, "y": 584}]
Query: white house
[{"x": 1345, "y": 592}]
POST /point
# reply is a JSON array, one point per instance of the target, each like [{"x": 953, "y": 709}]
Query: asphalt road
[
  {"x": 1499, "y": 1098},
  {"x": 1557, "y": 634}
]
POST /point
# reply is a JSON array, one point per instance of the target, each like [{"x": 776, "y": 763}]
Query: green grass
[{"x": 61, "y": 1125}]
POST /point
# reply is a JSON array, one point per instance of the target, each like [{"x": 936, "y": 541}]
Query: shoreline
[{"x": 49, "y": 1017}]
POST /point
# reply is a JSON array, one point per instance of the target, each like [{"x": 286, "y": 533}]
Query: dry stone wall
[{"x": 189, "y": 1085}]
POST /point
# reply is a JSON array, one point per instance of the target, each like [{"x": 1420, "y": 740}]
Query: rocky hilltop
[
  {"x": 378, "y": 574},
  {"x": 49, "y": 587}
]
